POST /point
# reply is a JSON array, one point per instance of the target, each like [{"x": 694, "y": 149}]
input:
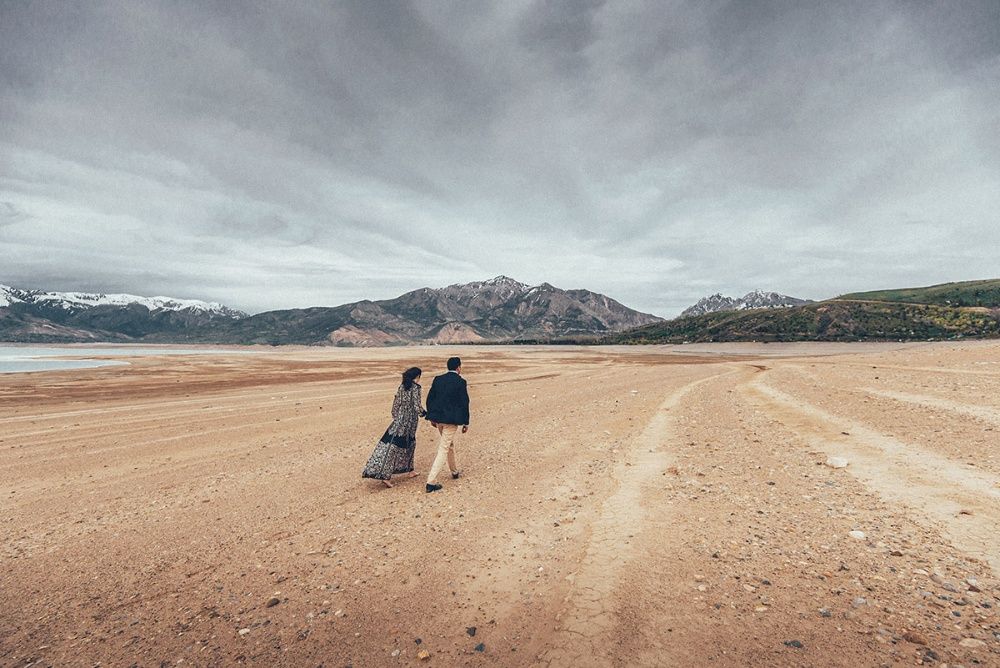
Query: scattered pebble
[
  {"x": 944, "y": 583},
  {"x": 915, "y": 637},
  {"x": 859, "y": 535},
  {"x": 837, "y": 462},
  {"x": 972, "y": 643},
  {"x": 423, "y": 655},
  {"x": 243, "y": 632},
  {"x": 797, "y": 644}
]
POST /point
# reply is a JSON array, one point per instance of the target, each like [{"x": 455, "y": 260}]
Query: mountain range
[
  {"x": 751, "y": 300},
  {"x": 39, "y": 316},
  {"x": 504, "y": 310},
  {"x": 500, "y": 309}
]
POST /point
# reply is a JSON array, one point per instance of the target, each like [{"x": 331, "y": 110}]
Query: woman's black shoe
[
  {"x": 432, "y": 488},
  {"x": 455, "y": 475}
]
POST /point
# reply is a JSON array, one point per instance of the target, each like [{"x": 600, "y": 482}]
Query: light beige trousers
[{"x": 446, "y": 451}]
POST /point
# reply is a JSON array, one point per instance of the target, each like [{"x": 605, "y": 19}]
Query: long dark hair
[{"x": 409, "y": 376}]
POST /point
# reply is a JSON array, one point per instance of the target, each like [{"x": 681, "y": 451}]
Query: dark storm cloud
[{"x": 286, "y": 155}]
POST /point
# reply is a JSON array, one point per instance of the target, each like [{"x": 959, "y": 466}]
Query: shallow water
[
  {"x": 26, "y": 365},
  {"x": 22, "y": 359}
]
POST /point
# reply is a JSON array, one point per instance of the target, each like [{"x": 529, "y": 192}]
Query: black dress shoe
[
  {"x": 455, "y": 475},
  {"x": 432, "y": 488}
]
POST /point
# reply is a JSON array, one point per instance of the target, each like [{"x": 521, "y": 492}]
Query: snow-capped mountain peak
[
  {"x": 498, "y": 289},
  {"x": 500, "y": 282},
  {"x": 751, "y": 300},
  {"x": 762, "y": 299},
  {"x": 76, "y": 301},
  {"x": 505, "y": 281},
  {"x": 8, "y": 295},
  {"x": 711, "y": 304}
]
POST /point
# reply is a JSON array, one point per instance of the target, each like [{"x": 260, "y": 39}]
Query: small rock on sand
[
  {"x": 243, "y": 632},
  {"x": 944, "y": 583},
  {"x": 837, "y": 462},
  {"x": 915, "y": 638},
  {"x": 859, "y": 535},
  {"x": 972, "y": 643},
  {"x": 423, "y": 655}
]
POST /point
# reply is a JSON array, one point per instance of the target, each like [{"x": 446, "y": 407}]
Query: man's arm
[
  {"x": 464, "y": 402},
  {"x": 432, "y": 396}
]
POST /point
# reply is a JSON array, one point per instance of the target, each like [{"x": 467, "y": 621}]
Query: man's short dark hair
[{"x": 454, "y": 363}]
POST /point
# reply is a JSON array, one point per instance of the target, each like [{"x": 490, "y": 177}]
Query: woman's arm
[{"x": 416, "y": 403}]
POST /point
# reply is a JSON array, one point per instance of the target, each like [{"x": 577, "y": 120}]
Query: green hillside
[
  {"x": 966, "y": 293},
  {"x": 834, "y": 320}
]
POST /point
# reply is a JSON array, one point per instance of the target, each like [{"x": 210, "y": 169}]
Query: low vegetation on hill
[
  {"x": 966, "y": 293},
  {"x": 834, "y": 320}
]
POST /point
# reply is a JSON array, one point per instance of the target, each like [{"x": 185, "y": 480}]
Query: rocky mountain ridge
[
  {"x": 752, "y": 300},
  {"x": 499, "y": 309}
]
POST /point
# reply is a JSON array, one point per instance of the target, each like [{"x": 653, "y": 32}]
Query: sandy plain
[{"x": 651, "y": 506}]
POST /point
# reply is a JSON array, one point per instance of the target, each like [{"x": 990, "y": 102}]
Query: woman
[{"x": 394, "y": 453}]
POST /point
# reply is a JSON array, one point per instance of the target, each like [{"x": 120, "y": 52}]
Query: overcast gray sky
[{"x": 275, "y": 155}]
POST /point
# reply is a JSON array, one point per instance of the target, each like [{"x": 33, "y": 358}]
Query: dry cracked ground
[{"x": 619, "y": 506}]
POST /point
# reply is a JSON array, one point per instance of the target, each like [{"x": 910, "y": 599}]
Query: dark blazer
[{"x": 448, "y": 400}]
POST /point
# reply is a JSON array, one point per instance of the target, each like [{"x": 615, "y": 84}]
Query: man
[{"x": 447, "y": 410}]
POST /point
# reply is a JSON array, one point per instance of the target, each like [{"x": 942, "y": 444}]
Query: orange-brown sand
[{"x": 649, "y": 506}]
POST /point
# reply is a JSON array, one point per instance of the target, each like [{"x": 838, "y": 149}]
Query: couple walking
[{"x": 447, "y": 411}]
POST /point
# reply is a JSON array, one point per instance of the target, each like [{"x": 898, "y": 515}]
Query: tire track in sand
[
  {"x": 982, "y": 413},
  {"x": 962, "y": 501},
  {"x": 588, "y": 618}
]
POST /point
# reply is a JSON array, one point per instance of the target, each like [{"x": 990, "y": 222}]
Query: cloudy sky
[{"x": 308, "y": 153}]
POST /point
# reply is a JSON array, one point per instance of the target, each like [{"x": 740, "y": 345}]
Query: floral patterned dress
[{"x": 394, "y": 452}]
